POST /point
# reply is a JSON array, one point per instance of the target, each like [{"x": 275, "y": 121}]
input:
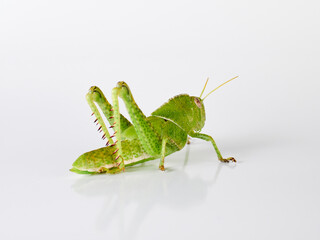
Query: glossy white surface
[{"x": 51, "y": 53}]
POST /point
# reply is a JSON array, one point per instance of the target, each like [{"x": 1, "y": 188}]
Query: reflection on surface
[{"x": 144, "y": 188}]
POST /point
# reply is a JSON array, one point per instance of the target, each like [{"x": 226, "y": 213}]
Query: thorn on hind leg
[
  {"x": 114, "y": 145},
  {"x": 114, "y": 134},
  {"x": 115, "y": 151}
]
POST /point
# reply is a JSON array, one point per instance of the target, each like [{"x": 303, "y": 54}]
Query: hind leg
[
  {"x": 150, "y": 140},
  {"x": 96, "y": 96}
]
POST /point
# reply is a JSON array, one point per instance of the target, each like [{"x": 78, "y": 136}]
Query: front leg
[{"x": 209, "y": 138}]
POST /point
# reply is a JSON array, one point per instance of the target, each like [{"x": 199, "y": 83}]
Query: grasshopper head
[
  {"x": 199, "y": 103},
  {"x": 186, "y": 111}
]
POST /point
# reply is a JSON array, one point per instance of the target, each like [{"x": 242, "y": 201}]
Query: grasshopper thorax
[{"x": 186, "y": 111}]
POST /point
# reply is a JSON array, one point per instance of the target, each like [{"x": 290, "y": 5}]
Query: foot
[
  {"x": 230, "y": 159},
  {"x": 161, "y": 167}
]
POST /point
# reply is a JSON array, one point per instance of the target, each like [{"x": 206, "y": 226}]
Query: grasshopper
[{"x": 147, "y": 138}]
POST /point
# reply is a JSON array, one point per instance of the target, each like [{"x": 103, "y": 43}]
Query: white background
[{"x": 51, "y": 52}]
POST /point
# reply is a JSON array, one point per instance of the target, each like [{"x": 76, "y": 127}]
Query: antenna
[
  {"x": 219, "y": 87},
  {"x": 204, "y": 87}
]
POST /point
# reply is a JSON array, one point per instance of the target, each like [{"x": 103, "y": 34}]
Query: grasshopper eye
[{"x": 197, "y": 102}]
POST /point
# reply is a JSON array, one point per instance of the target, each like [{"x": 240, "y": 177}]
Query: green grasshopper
[{"x": 147, "y": 138}]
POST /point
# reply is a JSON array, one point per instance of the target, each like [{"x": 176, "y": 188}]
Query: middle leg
[{"x": 163, "y": 154}]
